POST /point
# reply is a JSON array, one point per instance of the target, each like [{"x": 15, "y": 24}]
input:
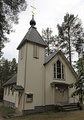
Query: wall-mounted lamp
[{"x": 56, "y": 88}]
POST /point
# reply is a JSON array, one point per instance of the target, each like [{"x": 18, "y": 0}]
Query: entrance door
[{"x": 61, "y": 95}]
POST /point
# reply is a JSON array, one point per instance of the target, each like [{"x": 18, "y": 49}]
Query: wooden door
[{"x": 61, "y": 95}]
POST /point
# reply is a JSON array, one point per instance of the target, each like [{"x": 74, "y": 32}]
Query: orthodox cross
[{"x": 33, "y": 8}]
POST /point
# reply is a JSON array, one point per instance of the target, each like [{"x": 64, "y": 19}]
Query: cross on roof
[{"x": 33, "y": 8}]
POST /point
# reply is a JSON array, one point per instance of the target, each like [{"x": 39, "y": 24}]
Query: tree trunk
[{"x": 69, "y": 47}]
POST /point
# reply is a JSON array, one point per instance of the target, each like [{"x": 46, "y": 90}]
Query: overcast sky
[{"x": 48, "y": 13}]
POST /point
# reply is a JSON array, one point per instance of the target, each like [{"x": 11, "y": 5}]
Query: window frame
[
  {"x": 29, "y": 97},
  {"x": 8, "y": 90},
  {"x": 36, "y": 51},
  {"x": 5, "y": 90},
  {"x": 62, "y": 74}
]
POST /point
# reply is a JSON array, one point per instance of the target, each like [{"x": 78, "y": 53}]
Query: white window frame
[
  {"x": 29, "y": 97},
  {"x": 36, "y": 51},
  {"x": 5, "y": 90},
  {"x": 8, "y": 90},
  {"x": 55, "y": 70}
]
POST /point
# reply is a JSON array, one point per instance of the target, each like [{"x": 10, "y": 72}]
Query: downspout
[{"x": 44, "y": 91}]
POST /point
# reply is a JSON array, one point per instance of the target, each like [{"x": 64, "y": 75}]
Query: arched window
[{"x": 58, "y": 70}]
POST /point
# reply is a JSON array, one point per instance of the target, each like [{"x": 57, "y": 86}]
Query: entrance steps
[
  {"x": 68, "y": 107},
  {"x": 71, "y": 107}
]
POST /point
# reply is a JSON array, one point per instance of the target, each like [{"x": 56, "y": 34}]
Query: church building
[{"x": 41, "y": 82}]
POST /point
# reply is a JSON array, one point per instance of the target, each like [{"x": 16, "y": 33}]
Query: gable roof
[
  {"x": 18, "y": 87},
  {"x": 11, "y": 81},
  {"x": 50, "y": 57},
  {"x": 34, "y": 37}
]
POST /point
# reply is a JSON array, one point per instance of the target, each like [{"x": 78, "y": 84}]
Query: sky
[{"x": 48, "y": 13}]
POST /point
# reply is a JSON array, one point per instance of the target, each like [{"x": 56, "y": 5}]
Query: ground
[{"x": 51, "y": 115}]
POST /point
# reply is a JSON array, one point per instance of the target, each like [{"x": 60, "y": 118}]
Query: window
[
  {"x": 35, "y": 51},
  {"x": 58, "y": 70},
  {"x": 9, "y": 90},
  {"x": 29, "y": 97},
  {"x": 5, "y": 90},
  {"x": 12, "y": 92}
]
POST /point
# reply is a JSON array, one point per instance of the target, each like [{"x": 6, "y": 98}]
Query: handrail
[{"x": 74, "y": 99}]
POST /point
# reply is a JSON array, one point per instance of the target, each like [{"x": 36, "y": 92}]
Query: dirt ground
[
  {"x": 76, "y": 115},
  {"x": 1, "y": 118},
  {"x": 73, "y": 115}
]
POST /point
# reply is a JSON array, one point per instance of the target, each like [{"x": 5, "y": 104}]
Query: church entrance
[{"x": 61, "y": 95}]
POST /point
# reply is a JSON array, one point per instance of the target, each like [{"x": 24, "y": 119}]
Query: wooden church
[{"x": 41, "y": 82}]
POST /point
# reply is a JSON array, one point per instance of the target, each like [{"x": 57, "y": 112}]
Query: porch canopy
[
  {"x": 59, "y": 84},
  {"x": 17, "y": 88}
]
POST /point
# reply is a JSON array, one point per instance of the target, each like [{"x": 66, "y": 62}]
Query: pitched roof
[
  {"x": 18, "y": 87},
  {"x": 50, "y": 57},
  {"x": 34, "y": 37},
  {"x": 59, "y": 84},
  {"x": 11, "y": 81}
]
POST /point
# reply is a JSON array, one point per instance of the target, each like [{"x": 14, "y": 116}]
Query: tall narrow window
[
  {"x": 58, "y": 70},
  {"x": 62, "y": 71},
  {"x": 35, "y": 51},
  {"x": 5, "y": 90},
  {"x": 54, "y": 70},
  {"x": 8, "y": 90}
]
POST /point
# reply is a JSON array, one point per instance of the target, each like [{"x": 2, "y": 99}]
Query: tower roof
[{"x": 32, "y": 36}]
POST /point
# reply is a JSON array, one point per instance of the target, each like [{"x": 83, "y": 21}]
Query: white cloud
[{"x": 48, "y": 13}]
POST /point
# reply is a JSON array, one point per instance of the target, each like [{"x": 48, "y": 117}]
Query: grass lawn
[
  {"x": 5, "y": 110},
  {"x": 51, "y": 115}
]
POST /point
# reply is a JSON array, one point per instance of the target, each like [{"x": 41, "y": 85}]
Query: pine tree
[
  {"x": 9, "y": 10},
  {"x": 71, "y": 34},
  {"x": 7, "y": 70},
  {"x": 79, "y": 85},
  {"x": 50, "y": 39},
  {"x": 13, "y": 69}
]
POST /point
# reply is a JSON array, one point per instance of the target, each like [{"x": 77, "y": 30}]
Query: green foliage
[
  {"x": 5, "y": 110},
  {"x": 9, "y": 10},
  {"x": 71, "y": 35},
  {"x": 79, "y": 85},
  {"x": 50, "y": 40},
  {"x": 7, "y": 70}
]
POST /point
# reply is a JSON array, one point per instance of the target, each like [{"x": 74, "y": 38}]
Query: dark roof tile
[
  {"x": 34, "y": 37},
  {"x": 11, "y": 81},
  {"x": 18, "y": 87},
  {"x": 50, "y": 57}
]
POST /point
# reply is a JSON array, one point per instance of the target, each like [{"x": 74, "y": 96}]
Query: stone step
[{"x": 70, "y": 107}]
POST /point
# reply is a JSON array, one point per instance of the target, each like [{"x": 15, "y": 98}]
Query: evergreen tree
[
  {"x": 9, "y": 10},
  {"x": 50, "y": 40},
  {"x": 7, "y": 70},
  {"x": 71, "y": 34},
  {"x": 13, "y": 69},
  {"x": 79, "y": 85}
]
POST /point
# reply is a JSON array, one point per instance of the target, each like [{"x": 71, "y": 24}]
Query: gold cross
[{"x": 33, "y": 8}]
